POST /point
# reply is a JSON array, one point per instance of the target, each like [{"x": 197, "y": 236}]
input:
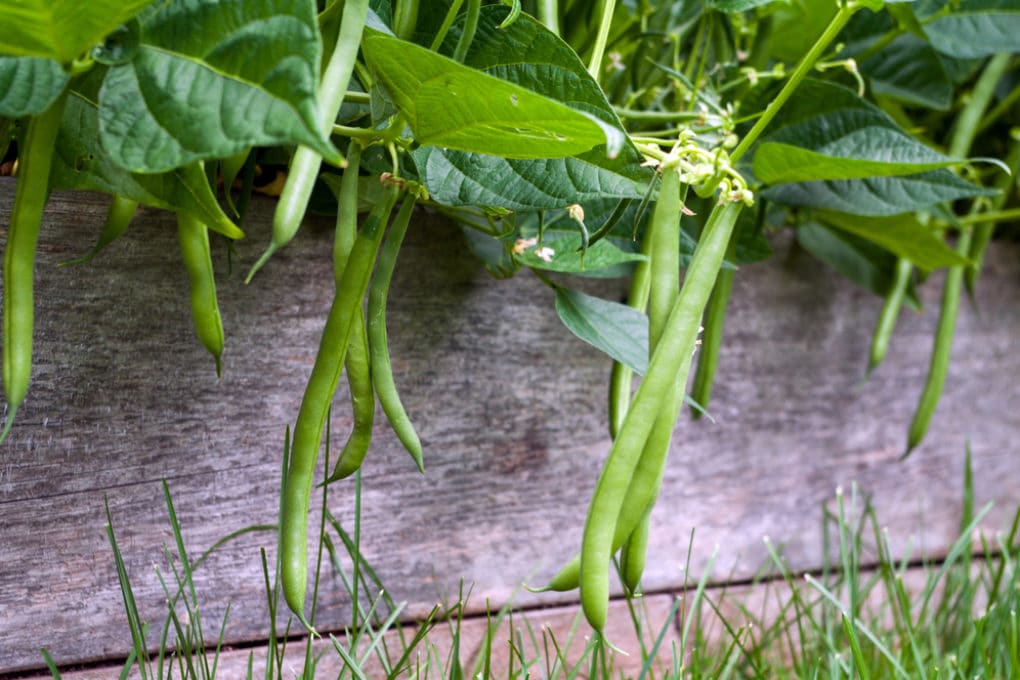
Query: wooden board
[{"x": 509, "y": 405}]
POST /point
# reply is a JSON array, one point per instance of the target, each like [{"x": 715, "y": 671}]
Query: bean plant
[{"x": 642, "y": 138}]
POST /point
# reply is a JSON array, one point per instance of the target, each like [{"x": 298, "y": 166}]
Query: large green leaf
[
  {"x": 975, "y": 28},
  {"x": 910, "y": 70},
  {"x": 211, "y": 79},
  {"x": 451, "y": 105},
  {"x": 526, "y": 53},
  {"x": 80, "y": 163},
  {"x": 616, "y": 329},
  {"x": 460, "y": 178},
  {"x": 61, "y": 30},
  {"x": 846, "y": 144},
  {"x": 902, "y": 235},
  {"x": 28, "y": 85},
  {"x": 878, "y": 196}
]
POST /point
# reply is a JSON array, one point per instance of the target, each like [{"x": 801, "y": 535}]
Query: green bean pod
[
  {"x": 942, "y": 349},
  {"x": 378, "y": 344},
  {"x": 30, "y": 198},
  {"x": 621, "y": 378},
  {"x": 118, "y": 218},
  {"x": 668, "y": 367},
  {"x": 664, "y": 231},
  {"x": 633, "y": 554},
  {"x": 304, "y": 166},
  {"x": 359, "y": 380},
  {"x": 711, "y": 341},
  {"x": 193, "y": 237},
  {"x": 318, "y": 396},
  {"x": 357, "y": 364},
  {"x": 890, "y": 313}
]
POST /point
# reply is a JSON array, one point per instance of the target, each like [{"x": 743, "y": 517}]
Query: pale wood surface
[{"x": 510, "y": 408}]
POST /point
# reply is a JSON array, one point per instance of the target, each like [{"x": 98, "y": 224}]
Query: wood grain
[{"x": 510, "y": 408}]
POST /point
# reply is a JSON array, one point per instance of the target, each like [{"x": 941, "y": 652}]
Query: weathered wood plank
[
  {"x": 558, "y": 623},
  {"x": 509, "y": 405}
]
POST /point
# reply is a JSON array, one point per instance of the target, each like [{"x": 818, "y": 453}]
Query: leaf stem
[
  {"x": 993, "y": 216},
  {"x": 605, "y": 23},
  {"x": 549, "y": 14},
  {"x": 803, "y": 68}
]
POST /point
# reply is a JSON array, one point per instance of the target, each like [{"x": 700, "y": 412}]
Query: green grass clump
[{"x": 863, "y": 615}]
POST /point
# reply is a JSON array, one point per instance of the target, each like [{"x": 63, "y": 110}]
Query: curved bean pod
[
  {"x": 890, "y": 313},
  {"x": 30, "y": 198},
  {"x": 304, "y": 167},
  {"x": 633, "y": 555},
  {"x": 359, "y": 379},
  {"x": 118, "y": 219},
  {"x": 357, "y": 364},
  {"x": 382, "y": 370},
  {"x": 193, "y": 237},
  {"x": 942, "y": 349},
  {"x": 711, "y": 341},
  {"x": 318, "y": 396}
]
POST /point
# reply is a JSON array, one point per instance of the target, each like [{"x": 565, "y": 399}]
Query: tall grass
[{"x": 864, "y": 614}]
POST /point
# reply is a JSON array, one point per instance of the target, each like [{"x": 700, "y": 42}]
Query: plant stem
[
  {"x": 803, "y": 68},
  {"x": 994, "y": 216},
  {"x": 970, "y": 117},
  {"x": 549, "y": 14},
  {"x": 605, "y": 23},
  {"x": 405, "y": 18},
  {"x": 451, "y": 14},
  {"x": 470, "y": 26}
]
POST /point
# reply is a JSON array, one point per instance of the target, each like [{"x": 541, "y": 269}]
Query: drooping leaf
[
  {"x": 974, "y": 28},
  {"x": 211, "y": 79},
  {"x": 910, "y": 70},
  {"x": 61, "y": 30},
  {"x": 81, "y": 163},
  {"x": 451, "y": 105},
  {"x": 862, "y": 262},
  {"x": 878, "y": 196},
  {"x": 28, "y": 85},
  {"x": 616, "y": 329},
  {"x": 902, "y": 235},
  {"x": 843, "y": 145}
]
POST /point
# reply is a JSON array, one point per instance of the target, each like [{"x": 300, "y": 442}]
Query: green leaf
[
  {"x": 910, "y": 70},
  {"x": 211, "y": 79},
  {"x": 61, "y": 30},
  {"x": 976, "y": 28},
  {"x": 902, "y": 235},
  {"x": 878, "y": 196},
  {"x": 527, "y": 54},
  {"x": 616, "y": 329},
  {"x": 81, "y": 163},
  {"x": 732, "y": 6},
  {"x": 28, "y": 85},
  {"x": 460, "y": 178},
  {"x": 457, "y": 107},
  {"x": 862, "y": 262},
  {"x": 843, "y": 145},
  {"x": 564, "y": 255}
]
